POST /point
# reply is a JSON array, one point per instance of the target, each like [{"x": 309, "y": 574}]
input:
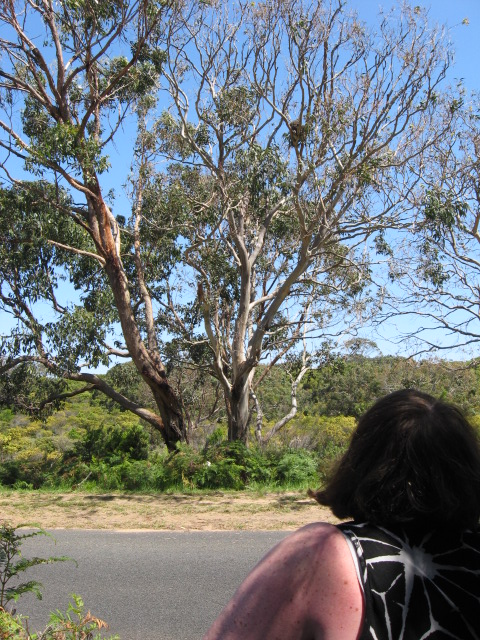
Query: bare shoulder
[
  {"x": 305, "y": 587},
  {"x": 320, "y": 533},
  {"x": 333, "y": 597},
  {"x": 317, "y": 543},
  {"x": 321, "y": 547}
]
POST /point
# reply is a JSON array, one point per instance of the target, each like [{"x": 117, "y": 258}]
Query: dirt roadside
[{"x": 170, "y": 512}]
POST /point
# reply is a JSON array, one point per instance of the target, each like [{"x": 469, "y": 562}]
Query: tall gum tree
[
  {"x": 437, "y": 270},
  {"x": 70, "y": 72},
  {"x": 286, "y": 139},
  {"x": 285, "y": 132}
]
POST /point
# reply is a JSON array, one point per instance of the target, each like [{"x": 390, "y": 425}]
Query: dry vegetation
[{"x": 200, "y": 512}]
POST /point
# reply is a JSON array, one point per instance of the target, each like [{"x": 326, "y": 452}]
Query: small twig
[{"x": 75, "y": 486}]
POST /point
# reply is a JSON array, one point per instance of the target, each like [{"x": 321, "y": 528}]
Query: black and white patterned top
[{"x": 418, "y": 585}]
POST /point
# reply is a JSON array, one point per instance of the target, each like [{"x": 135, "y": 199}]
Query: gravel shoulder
[{"x": 216, "y": 511}]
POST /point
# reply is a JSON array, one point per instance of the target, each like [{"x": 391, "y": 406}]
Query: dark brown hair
[{"x": 412, "y": 459}]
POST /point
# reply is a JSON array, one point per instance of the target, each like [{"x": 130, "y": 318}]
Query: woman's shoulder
[
  {"x": 305, "y": 587},
  {"x": 318, "y": 546},
  {"x": 329, "y": 594}
]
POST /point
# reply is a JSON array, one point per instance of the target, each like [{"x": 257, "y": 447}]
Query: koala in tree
[{"x": 297, "y": 132}]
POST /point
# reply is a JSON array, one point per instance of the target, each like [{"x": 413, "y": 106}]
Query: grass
[{"x": 194, "y": 510}]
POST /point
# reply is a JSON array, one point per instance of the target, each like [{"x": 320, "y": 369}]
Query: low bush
[
  {"x": 223, "y": 465},
  {"x": 297, "y": 467},
  {"x": 122, "y": 458},
  {"x": 74, "y": 624},
  {"x": 113, "y": 443}
]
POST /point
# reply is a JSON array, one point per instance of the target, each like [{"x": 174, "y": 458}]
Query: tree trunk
[
  {"x": 238, "y": 411},
  {"x": 147, "y": 361},
  {"x": 174, "y": 427},
  {"x": 290, "y": 415}
]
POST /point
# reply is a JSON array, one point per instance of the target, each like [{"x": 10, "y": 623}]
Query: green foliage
[
  {"x": 125, "y": 379},
  {"x": 74, "y": 624},
  {"x": 220, "y": 465},
  {"x": 12, "y": 564},
  {"x": 231, "y": 465},
  {"x": 297, "y": 467},
  {"x": 79, "y": 333},
  {"x": 6, "y": 416},
  {"x": 89, "y": 445},
  {"x": 334, "y": 434},
  {"x": 431, "y": 265},
  {"x": 24, "y": 388},
  {"x": 36, "y": 453},
  {"x": 265, "y": 175},
  {"x": 235, "y": 106},
  {"x": 347, "y": 386},
  {"x": 113, "y": 443},
  {"x": 11, "y": 627},
  {"x": 442, "y": 210},
  {"x": 32, "y": 266},
  {"x": 60, "y": 142},
  {"x": 139, "y": 80}
]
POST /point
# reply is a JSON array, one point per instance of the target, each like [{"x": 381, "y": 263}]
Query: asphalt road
[{"x": 146, "y": 585}]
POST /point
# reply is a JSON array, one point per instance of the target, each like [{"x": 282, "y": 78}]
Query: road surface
[{"x": 146, "y": 585}]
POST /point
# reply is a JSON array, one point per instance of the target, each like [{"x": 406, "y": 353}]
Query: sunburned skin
[{"x": 305, "y": 588}]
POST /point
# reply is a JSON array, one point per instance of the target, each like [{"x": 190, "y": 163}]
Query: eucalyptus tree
[
  {"x": 286, "y": 138},
  {"x": 70, "y": 73},
  {"x": 437, "y": 263},
  {"x": 281, "y": 149}
]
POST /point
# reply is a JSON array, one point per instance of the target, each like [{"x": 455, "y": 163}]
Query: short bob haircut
[{"x": 412, "y": 460}]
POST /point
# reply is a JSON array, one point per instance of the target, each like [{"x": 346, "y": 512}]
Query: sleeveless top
[{"x": 417, "y": 584}]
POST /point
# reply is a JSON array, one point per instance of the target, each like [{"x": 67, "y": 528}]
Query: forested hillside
[{"x": 83, "y": 440}]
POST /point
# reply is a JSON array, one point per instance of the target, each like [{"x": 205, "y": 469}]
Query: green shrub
[
  {"x": 11, "y": 627},
  {"x": 246, "y": 465},
  {"x": 297, "y": 467},
  {"x": 333, "y": 435},
  {"x": 9, "y": 473},
  {"x": 106, "y": 476},
  {"x": 19, "y": 472},
  {"x": 6, "y": 416},
  {"x": 74, "y": 624},
  {"x": 12, "y": 564},
  {"x": 112, "y": 443},
  {"x": 217, "y": 436},
  {"x": 137, "y": 475},
  {"x": 180, "y": 467},
  {"x": 71, "y": 472},
  {"x": 21, "y": 485},
  {"x": 220, "y": 465}
]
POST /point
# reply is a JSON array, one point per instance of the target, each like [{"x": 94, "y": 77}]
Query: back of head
[{"x": 412, "y": 459}]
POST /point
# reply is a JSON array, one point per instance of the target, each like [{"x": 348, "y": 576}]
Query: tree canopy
[
  {"x": 439, "y": 280},
  {"x": 273, "y": 149}
]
